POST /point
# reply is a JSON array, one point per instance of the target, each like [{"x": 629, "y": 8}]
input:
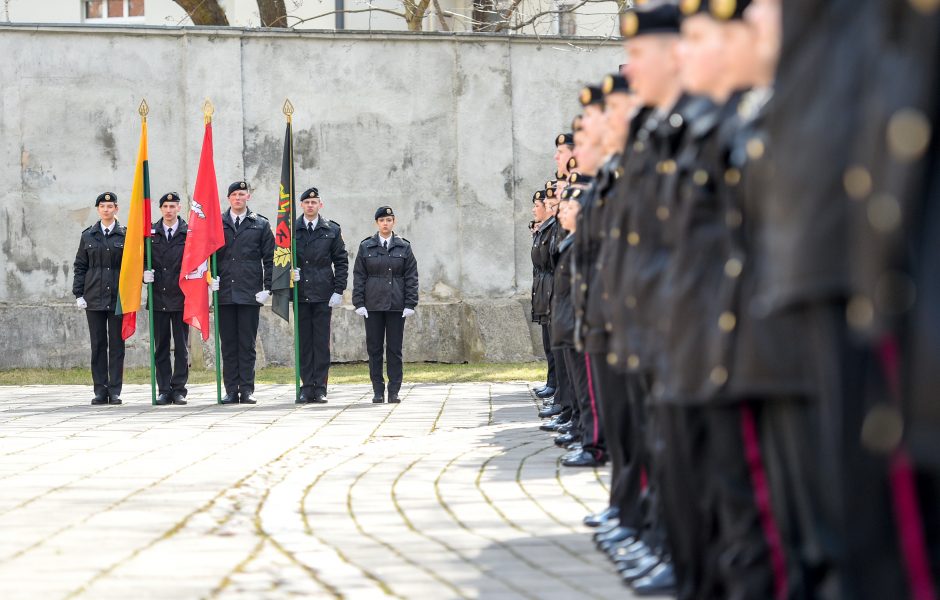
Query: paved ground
[{"x": 452, "y": 494}]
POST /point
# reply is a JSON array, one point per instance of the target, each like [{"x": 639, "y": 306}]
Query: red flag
[{"x": 205, "y": 236}]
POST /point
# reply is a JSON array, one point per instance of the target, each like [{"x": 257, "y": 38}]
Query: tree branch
[
  {"x": 347, "y": 11},
  {"x": 203, "y": 12},
  {"x": 273, "y": 13}
]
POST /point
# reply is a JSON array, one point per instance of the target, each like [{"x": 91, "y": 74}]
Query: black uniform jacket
[
  {"x": 322, "y": 259},
  {"x": 246, "y": 262},
  {"x": 97, "y": 266},
  {"x": 385, "y": 280},
  {"x": 166, "y": 260}
]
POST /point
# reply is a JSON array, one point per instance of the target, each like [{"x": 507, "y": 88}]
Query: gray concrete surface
[
  {"x": 453, "y": 493},
  {"x": 454, "y": 131}
]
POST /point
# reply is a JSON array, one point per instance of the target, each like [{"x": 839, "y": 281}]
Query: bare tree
[
  {"x": 208, "y": 12},
  {"x": 273, "y": 13}
]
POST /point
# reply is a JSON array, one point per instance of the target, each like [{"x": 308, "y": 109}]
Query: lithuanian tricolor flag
[{"x": 138, "y": 228}]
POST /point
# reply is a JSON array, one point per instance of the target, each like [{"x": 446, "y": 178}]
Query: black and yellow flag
[{"x": 282, "y": 282}]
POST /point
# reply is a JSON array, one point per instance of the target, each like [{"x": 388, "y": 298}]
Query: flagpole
[
  {"x": 288, "y": 113},
  {"x": 144, "y": 110},
  {"x": 207, "y": 111}
]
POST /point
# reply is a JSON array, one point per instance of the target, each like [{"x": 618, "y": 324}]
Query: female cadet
[{"x": 385, "y": 292}]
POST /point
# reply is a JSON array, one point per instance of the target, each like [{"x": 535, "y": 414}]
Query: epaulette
[
  {"x": 260, "y": 216},
  {"x": 404, "y": 240},
  {"x": 334, "y": 222}
]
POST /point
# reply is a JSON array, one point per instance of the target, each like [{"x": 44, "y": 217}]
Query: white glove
[
  {"x": 336, "y": 300},
  {"x": 80, "y": 302},
  {"x": 362, "y": 312},
  {"x": 296, "y": 274},
  {"x": 407, "y": 312},
  {"x": 262, "y": 296},
  {"x": 148, "y": 276},
  {"x": 214, "y": 284}
]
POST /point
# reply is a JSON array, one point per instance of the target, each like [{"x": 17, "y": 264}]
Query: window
[{"x": 124, "y": 10}]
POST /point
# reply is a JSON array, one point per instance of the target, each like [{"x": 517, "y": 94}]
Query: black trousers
[
  {"x": 314, "y": 326},
  {"x": 611, "y": 392},
  {"x": 550, "y": 380},
  {"x": 165, "y": 326},
  {"x": 385, "y": 332},
  {"x": 238, "y": 330},
  {"x": 107, "y": 352},
  {"x": 590, "y": 427},
  {"x": 564, "y": 392}
]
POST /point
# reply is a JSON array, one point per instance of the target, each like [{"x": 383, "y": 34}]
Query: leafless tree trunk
[
  {"x": 273, "y": 13},
  {"x": 204, "y": 12}
]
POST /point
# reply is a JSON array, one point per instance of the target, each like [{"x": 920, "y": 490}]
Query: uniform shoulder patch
[
  {"x": 366, "y": 240},
  {"x": 260, "y": 216},
  {"x": 334, "y": 222},
  {"x": 404, "y": 240},
  {"x": 87, "y": 229}
]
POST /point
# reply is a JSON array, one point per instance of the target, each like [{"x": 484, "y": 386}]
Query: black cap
[
  {"x": 689, "y": 8},
  {"x": 311, "y": 193},
  {"x": 171, "y": 197},
  {"x": 572, "y": 163},
  {"x": 615, "y": 84},
  {"x": 238, "y": 185},
  {"x": 561, "y": 176},
  {"x": 650, "y": 18},
  {"x": 106, "y": 197},
  {"x": 728, "y": 10},
  {"x": 550, "y": 192},
  {"x": 578, "y": 178},
  {"x": 564, "y": 138},
  {"x": 551, "y": 183},
  {"x": 571, "y": 194},
  {"x": 384, "y": 211},
  {"x": 591, "y": 95},
  {"x": 538, "y": 196}
]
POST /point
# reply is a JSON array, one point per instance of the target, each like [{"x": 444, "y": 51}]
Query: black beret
[
  {"x": 561, "y": 176},
  {"x": 650, "y": 18},
  {"x": 578, "y": 178},
  {"x": 538, "y": 196},
  {"x": 571, "y": 194},
  {"x": 564, "y": 138},
  {"x": 106, "y": 197},
  {"x": 615, "y": 84},
  {"x": 572, "y": 163},
  {"x": 551, "y": 183},
  {"x": 384, "y": 211},
  {"x": 689, "y": 8},
  {"x": 550, "y": 192},
  {"x": 727, "y": 10},
  {"x": 311, "y": 193},
  {"x": 238, "y": 185},
  {"x": 591, "y": 95},
  {"x": 171, "y": 197}
]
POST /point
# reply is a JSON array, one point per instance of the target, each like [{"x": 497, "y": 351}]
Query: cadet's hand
[
  {"x": 80, "y": 302},
  {"x": 336, "y": 300},
  {"x": 214, "y": 284},
  {"x": 407, "y": 312},
  {"x": 262, "y": 296},
  {"x": 148, "y": 276},
  {"x": 296, "y": 274},
  {"x": 362, "y": 312}
]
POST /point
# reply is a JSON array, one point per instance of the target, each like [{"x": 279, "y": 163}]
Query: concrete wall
[{"x": 453, "y": 131}]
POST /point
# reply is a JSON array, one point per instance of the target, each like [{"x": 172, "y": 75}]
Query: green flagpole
[
  {"x": 289, "y": 112},
  {"x": 215, "y": 321},
  {"x": 144, "y": 110}
]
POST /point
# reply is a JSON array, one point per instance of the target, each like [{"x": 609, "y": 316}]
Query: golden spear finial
[
  {"x": 143, "y": 110},
  {"x": 288, "y": 110},
  {"x": 208, "y": 110}
]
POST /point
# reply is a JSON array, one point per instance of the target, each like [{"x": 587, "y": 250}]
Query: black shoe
[
  {"x": 114, "y": 400},
  {"x": 99, "y": 400},
  {"x": 303, "y": 398},
  {"x": 635, "y": 559},
  {"x": 539, "y": 389},
  {"x": 546, "y": 393},
  {"x": 565, "y": 427},
  {"x": 317, "y": 399},
  {"x": 550, "y": 426},
  {"x": 605, "y": 529},
  {"x": 633, "y": 550},
  {"x": 378, "y": 399},
  {"x": 163, "y": 400},
  {"x": 583, "y": 459},
  {"x": 248, "y": 398},
  {"x": 564, "y": 439},
  {"x": 598, "y": 519},
  {"x": 393, "y": 398},
  {"x": 553, "y": 410},
  {"x": 660, "y": 581},
  {"x": 643, "y": 567},
  {"x": 230, "y": 399},
  {"x": 617, "y": 534},
  {"x": 179, "y": 399}
]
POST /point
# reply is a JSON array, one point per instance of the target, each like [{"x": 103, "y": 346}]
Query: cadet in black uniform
[
  {"x": 168, "y": 238},
  {"x": 246, "y": 265},
  {"x": 321, "y": 277},
  {"x": 95, "y": 284},
  {"x": 385, "y": 293}
]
